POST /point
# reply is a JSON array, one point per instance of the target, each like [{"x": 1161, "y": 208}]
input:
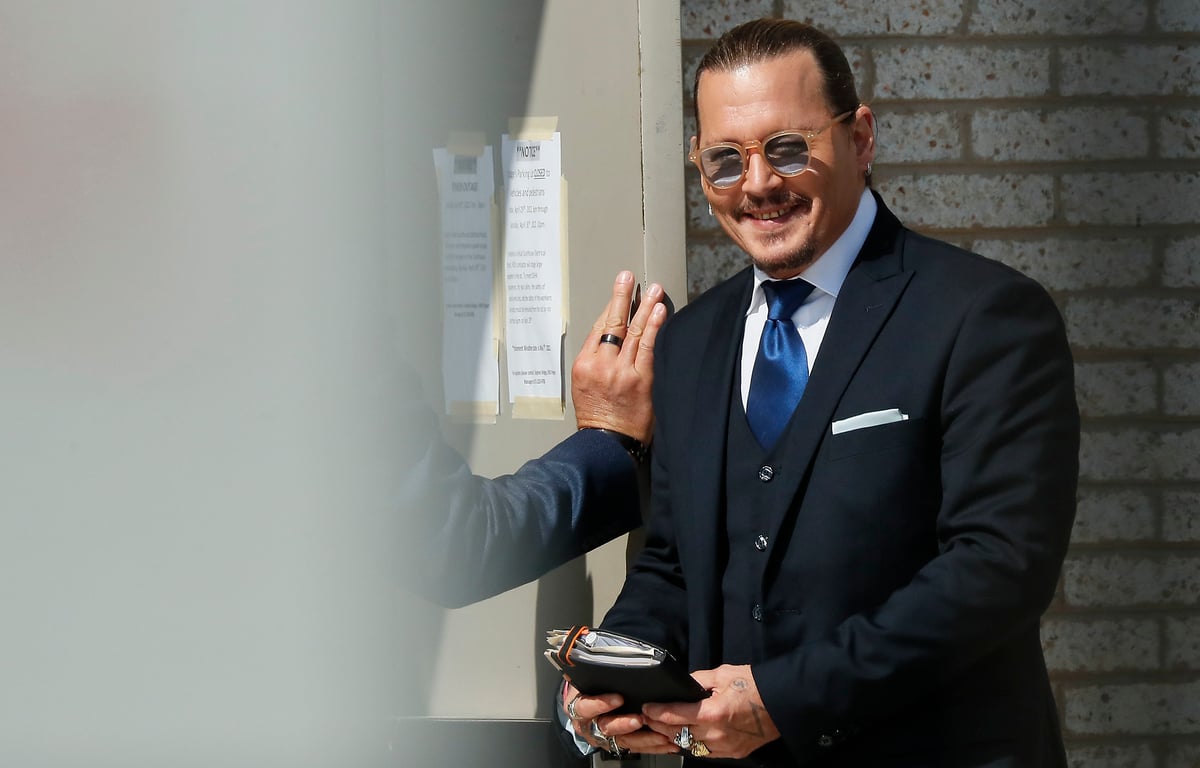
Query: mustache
[{"x": 783, "y": 198}]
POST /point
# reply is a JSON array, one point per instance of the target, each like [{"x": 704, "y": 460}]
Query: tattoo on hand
[
  {"x": 755, "y": 708},
  {"x": 758, "y": 725},
  {"x": 758, "y": 729}
]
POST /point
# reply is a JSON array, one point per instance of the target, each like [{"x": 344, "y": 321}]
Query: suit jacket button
[
  {"x": 756, "y": 612},
  {"x": 825, "y": 741},
  {"x": 760, "y": 543},
  {"x": 766, "y": 472}
]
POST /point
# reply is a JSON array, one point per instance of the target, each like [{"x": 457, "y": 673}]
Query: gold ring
[{"x": 699, "y": 749}]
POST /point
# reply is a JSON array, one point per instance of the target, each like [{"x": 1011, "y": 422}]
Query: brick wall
[{"x": 1061, "y": 137}]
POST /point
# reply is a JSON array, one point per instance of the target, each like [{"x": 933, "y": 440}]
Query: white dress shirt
[{"x": 827, "y": 273}]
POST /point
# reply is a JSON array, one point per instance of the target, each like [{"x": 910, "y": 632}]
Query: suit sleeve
[
  {"x": 470, "y": 537},
  {"x": 1009, "y": 466}
]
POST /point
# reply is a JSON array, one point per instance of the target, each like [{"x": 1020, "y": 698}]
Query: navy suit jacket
[
  {"x": 908, "y": 563},
  {"x": 469, "y": 537}
]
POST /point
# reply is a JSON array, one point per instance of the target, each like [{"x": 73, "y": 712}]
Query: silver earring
[
  {"x": 710, "y": 213},
  {"x": 868, "y": 168}
]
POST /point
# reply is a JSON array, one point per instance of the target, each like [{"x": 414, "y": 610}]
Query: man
[
  {"x": 473, "y": 537},
  {"x": 858, "y": 578}
]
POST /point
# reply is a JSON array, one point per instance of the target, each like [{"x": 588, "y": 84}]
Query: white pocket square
[{"x": 872, "y": 419}]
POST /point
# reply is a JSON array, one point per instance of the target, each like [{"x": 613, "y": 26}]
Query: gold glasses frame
[{"x": 744, "y": 151}]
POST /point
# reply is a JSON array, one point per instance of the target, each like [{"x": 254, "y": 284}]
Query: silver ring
[
  {"x": 612, "y": 338},
  {"x": 613, "y": 746},
  {"x": 683, "y": 739},
  {"x": 571, "y": 713},
  {"x": 599, "y": 735}
]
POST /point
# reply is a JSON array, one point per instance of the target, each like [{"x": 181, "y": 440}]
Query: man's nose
[{"x": 760, "y": 177}]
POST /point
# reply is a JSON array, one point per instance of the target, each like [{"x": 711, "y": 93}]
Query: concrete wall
[{"x": 1063, "y": 138}]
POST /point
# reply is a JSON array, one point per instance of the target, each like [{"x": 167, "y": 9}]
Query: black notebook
[{"x": 598, "y": 661}]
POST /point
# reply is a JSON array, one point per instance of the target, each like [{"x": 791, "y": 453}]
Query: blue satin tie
[{"x": 781, "y": 368}]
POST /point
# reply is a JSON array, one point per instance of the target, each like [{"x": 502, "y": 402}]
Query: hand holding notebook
[{"x": 598, "y": 661}]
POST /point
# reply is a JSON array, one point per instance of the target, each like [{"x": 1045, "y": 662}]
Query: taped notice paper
[
  {"x": 534, "y": 231},
  {"x": 470, "y": 368}
]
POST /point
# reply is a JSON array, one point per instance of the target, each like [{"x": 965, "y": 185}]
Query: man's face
[{"x": 785, "y": 224}]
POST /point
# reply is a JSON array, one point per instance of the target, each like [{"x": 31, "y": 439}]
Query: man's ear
[{"x": 864, "y": 136}]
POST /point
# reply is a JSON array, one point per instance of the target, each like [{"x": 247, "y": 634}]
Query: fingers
[
  {"x": 643, "y": 329},
  {"x": 614, "y": 325},
  {"x": 617, "y": 312},
  {"x": 603, "y": 730},
  {"x": 646, "y": 741},
  {"x": 732, "y": 722},
  {"x": 612, "y": 375},
  {"x": 672, "y": 715},
  {"x": 590, "y": 707},
  {"x": 584, "y": 710},
  {"x": 652, "y": 296},
  {"x": 627, "y": 730},
  {"x": 683, "y": 735},
  {"x": 667, "y": 719},
  {"x": 707, "y": 678},
  {"x": 593, "y": 337},
  {"x": 618, "y": 306},
  {"x": 613, "y": 725},
  {"x": 626, "y": 733}
]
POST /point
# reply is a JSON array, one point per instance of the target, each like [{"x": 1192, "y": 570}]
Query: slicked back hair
[{"x": 762, "y": 39}]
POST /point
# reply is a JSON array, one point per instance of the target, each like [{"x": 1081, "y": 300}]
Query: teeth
[{"x": 767, "y": 216}]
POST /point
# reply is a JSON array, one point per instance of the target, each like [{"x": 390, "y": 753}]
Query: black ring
[{"x": 612, "y": 338}]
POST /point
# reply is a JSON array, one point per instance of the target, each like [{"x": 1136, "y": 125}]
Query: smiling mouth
[{"x": 795, "y": 205}]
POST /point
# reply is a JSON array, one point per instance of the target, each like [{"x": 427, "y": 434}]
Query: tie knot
[{"x": 784, "y": 297}]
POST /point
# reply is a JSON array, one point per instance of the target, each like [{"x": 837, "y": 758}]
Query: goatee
[{"x": 794, "y": 262}]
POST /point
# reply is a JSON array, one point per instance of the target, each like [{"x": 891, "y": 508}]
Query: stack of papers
[{"x": 595, "y": 646}]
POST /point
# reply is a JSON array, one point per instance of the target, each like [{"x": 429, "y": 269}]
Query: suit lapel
[{"x": 868, "y": 295}]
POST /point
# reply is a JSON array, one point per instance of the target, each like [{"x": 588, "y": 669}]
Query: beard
[
  {"x": 793, "y": 262},
  {"x": 799, "y": 257}
]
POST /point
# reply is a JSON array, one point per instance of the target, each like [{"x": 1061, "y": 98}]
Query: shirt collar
[{"x": 829, "y": 271}]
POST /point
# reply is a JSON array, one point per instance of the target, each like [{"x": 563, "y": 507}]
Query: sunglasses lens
[
  {"x": 787, "y": 153},
  {"x": 722, "y": 166}
]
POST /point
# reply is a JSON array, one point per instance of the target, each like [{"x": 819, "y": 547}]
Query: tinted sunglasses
[{"x": 724, "y": 165}]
